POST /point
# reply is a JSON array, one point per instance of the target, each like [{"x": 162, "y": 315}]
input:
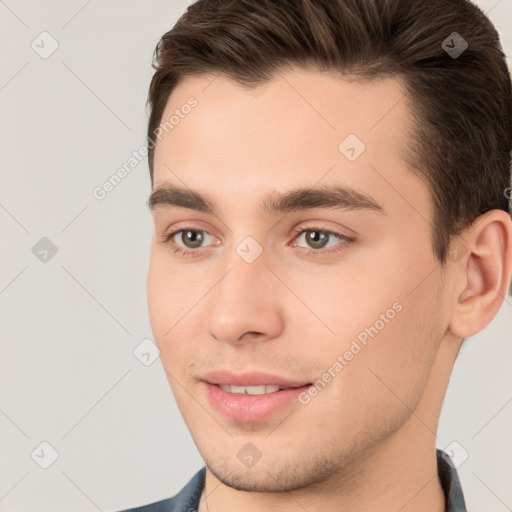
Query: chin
[{"x": 274, "y": 475}]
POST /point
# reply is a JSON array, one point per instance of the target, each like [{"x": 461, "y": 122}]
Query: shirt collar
[{"x": 450, "y": 483}]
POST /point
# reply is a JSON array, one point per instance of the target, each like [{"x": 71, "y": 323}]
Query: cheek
[
  {"x": 399, "y": 367},
  {"x": 169, "y": 296},
  {"x": 158, "y": 301},
  {"x": 174, "y": 309},
  {"x": 386, "y": 337}
]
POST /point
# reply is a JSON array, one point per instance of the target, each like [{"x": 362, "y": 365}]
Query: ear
[{"x": 481, "y": 267}]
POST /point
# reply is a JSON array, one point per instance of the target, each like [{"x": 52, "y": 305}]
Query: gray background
[{"x": 68, "y": 373}]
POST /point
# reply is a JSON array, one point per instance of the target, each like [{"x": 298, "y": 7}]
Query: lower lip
[{"x": 249, "y": 408}]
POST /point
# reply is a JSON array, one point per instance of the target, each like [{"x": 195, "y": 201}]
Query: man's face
[{"x": 296, "y": 289}]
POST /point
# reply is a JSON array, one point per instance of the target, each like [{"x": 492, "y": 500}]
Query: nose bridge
[
  {"x": 244, "y": 299},
  {"x": 247, "y": 265}
]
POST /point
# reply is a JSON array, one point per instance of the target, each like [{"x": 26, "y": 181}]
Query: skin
[{"x": 367, "y": 440}]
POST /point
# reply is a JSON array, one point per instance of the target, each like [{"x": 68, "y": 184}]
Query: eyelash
[{"x": 344, "y": 240}]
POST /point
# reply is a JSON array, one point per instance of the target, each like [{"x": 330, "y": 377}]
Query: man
[{"x": 329, "y": 194}]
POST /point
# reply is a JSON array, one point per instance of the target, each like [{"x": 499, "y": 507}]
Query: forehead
[{"x": 299, "y": 128}]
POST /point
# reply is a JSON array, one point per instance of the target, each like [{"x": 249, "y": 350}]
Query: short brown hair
[{"x": 462, "y": 106}]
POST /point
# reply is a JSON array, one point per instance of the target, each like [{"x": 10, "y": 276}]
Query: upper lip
[{"x": 250, "y": 379}]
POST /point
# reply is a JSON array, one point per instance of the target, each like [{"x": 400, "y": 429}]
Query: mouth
[
  {"x": 251, "y": 397},
  {"x": 250, "y": 380}
]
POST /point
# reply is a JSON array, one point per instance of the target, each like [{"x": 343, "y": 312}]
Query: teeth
[{"x": 250, "y": 390}]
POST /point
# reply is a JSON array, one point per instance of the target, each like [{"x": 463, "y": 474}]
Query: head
[{"x": 340, "y": 180}]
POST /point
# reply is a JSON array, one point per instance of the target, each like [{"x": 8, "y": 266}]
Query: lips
[
  {"x": 250, "y": 379},
  {"x": 250, "y": 397}
]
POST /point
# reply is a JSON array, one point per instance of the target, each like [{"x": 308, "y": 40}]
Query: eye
[
  {"x": 186, "y": 241},
  {"x": 317, "y": 240}
]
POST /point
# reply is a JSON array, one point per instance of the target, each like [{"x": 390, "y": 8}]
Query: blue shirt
[{"x": 187, "y": 500}]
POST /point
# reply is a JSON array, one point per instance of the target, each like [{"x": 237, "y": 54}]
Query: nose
[{"x": 246, "y": 304}]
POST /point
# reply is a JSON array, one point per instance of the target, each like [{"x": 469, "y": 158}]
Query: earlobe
[{"x": 482, "y": 276}]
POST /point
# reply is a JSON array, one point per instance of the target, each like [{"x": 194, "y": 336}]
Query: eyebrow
[{"x": 328, "y": 197}]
